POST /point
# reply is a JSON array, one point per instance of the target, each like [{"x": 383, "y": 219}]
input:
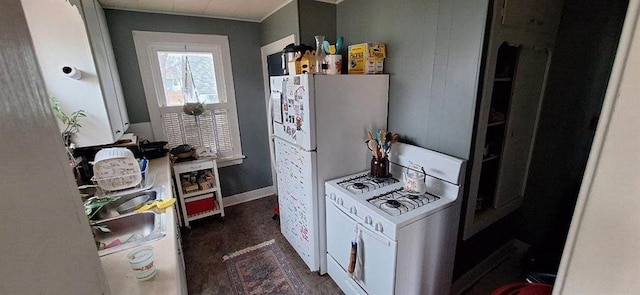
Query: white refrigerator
[{"x": 319, "y": 132}]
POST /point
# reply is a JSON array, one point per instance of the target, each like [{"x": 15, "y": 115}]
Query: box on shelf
[
  {"x": 204, "y": 185},
  {"x": 200, "y": 206},
  {"x": 367, "y": 58},
  {"x": 197, "y": 180},
  {"x": 188, "y": 187}
]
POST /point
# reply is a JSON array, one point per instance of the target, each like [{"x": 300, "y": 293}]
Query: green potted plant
[
  {"x": 196, "y": 109},
  {"x": 71, "y": 121}
]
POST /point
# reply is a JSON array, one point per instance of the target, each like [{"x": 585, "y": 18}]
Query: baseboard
[
  {"x": 249, "y": 196},
  {"x": 471, "y": 277}
]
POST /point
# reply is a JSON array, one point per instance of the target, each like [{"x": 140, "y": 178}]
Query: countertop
[{"x": 167, "y": 279}]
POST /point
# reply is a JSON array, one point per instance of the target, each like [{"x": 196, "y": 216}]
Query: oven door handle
[{"x": 383, "y": 240}]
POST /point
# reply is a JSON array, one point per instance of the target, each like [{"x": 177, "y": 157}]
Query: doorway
[{"x": 270, "y": 57}]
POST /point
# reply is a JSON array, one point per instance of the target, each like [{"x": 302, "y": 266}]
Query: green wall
[
  {"x": 304, "y": 18},
  {"x": 433, "y": 57},
  {"x": 244, "y": 42},
  {"x": 280, "y": 24},
  {"x": 316, "y": 18}
]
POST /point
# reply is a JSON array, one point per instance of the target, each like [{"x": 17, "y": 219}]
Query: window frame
[{"x": 148, "y": 44}]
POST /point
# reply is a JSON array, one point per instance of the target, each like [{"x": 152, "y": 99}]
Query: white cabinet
[
  {"x": 181, "y": 266},
  {"x": 198, "y": 186},
  {"x": 100, "y": 40},
  {"x": 520, "y": 125},
  {"x": 517, "y": 59},
  {"x": 73, "y": 33}
]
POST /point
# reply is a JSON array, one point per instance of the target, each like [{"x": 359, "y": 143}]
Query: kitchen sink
[
  {"x": 121, "y": 206},
  {"x": 128, "y": 229}
]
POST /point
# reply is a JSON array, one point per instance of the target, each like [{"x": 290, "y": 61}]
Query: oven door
[{"x": 378, "y": 252}]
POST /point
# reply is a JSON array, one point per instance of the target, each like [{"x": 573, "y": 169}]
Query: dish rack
[{"x": 108, "y": 186}]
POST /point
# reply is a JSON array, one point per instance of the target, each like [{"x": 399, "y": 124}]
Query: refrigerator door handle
[
  {"x": 270, "y": 113},
  {"x": 273, "y": 136},
  {"x": 272, "y": 149}
]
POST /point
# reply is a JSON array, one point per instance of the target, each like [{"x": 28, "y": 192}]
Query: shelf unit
[
  {"x": 516, "y": 57},
  {"x": 199, "y": 193},
  {"x": 197, "y": 184},
  {"x": 505, "y": 133},
  {"x": 495, "y": 136}
]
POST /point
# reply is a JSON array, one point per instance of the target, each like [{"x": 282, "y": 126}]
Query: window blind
[{"x": 212, "y": 126}]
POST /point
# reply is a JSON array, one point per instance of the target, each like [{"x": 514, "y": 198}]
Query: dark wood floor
[{"x": 244, "y": 225}]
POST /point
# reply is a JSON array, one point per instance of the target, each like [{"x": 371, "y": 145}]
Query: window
[
  {"x": 188, "y": 77},
  {"x": 185, "y": 68}
]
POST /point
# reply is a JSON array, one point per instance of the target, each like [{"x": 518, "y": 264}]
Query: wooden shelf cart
[{"x": 198, "y": 186}]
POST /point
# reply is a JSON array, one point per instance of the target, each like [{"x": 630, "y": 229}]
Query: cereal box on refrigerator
[{"x": 367, "y": 58}]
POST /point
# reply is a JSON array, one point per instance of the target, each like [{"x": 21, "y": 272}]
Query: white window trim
[{"x": 148, "y": 43}]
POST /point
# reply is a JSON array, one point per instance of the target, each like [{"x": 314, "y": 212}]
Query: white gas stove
[
  {"x": 407, "y": 241},
  {"x": 381, "y": 204}
]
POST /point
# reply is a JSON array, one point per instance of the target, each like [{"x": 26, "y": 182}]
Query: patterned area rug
[{"x": 262, "y": 269}]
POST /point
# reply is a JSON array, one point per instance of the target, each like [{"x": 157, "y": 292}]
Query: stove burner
[
  {"x": 397, "y": 202},
  {"x": 359, "y": 185},
  {"x": 393, "y": 203}
]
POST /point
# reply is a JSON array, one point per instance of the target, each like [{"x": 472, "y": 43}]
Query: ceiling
[{"x": 248, "y": 10}]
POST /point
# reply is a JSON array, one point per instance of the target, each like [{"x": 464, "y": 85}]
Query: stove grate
[
  {"x": 364, "y": 183},
  {"x": 397, "y": 202}
]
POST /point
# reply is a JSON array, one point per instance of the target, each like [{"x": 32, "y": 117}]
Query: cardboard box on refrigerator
[{"x": 367, "y": 58}]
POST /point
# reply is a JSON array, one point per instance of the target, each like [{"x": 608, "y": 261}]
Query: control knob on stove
[
  {"x": 332, "y": 196},
  {"x": 368, "y": 220},
  {"x": 378, "y": 226},
  {"x": 353, "y": 210},
  {"x": 339, "y": 201}
]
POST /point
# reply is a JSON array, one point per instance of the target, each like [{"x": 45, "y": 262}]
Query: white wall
[
  {"x": 602, "y": 255},
  {"x": 46, "y": 246},
  {"x": 60, "y": 39}
]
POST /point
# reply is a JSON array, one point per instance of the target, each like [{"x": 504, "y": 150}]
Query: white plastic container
[
  {"x": 116, "y": 169},
  {"x": 141, "y": 261},
  {"x": 111, "y": 153}
]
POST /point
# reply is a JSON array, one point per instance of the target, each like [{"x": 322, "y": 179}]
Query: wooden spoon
[
  {"x": 373, "y": 146},
  {"x": 395, "y": 138}
]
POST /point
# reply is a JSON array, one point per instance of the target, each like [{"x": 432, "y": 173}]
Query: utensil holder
[{"x": 379, "y": 167}]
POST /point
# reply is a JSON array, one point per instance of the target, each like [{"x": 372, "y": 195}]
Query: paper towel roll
[{"x": 72, "y": 72}]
